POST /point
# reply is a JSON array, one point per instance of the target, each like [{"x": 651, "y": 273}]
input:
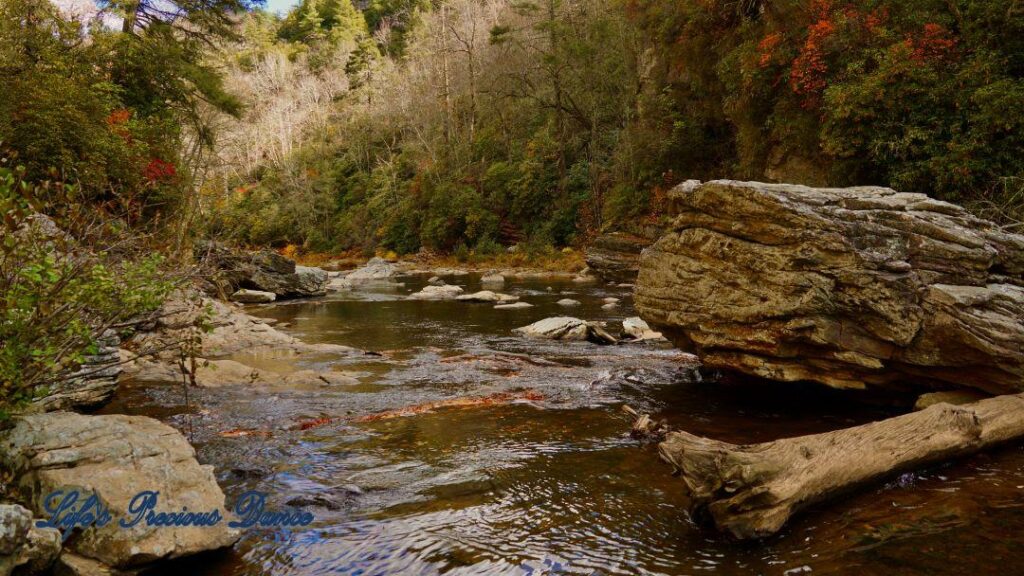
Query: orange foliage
[
  {"x": 807, "y": 77},
  {"x": 935, "y": 43}
]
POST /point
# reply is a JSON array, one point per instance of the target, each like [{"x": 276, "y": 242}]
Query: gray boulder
[
  {"x": 566, "y": 328},
  {"x": 446, "y": 292},
  {"x": 486, "y": 296},
  {"x": 265, "y": 270}
]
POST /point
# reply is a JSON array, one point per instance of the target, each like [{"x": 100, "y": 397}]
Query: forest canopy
[{"x": 477, "y": 124}]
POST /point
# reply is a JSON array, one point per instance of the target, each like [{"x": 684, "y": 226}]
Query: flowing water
[{"x": 549, "y": 483}]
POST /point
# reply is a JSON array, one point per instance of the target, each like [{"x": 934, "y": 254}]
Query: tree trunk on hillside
[{"x": 750, "y": 491}]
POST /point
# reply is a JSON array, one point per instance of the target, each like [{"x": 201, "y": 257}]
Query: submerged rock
[
  {"x": 115, "y": 457},
  {"x": 848, "y": 287},
  {"x": 513, "y": 306},
  {"x": 492, "y": 279},
  {"x": 446, "y": 292},
  {"x": 566, "y": 328},
  {"x": 567, "y": 302},
  {"x": 245, "y": 296}
]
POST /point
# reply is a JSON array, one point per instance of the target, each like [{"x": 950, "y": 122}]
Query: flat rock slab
[
  {"x": 566, "y": 328},
  {"x": 446, "y": 292},
  {"x": 514, "y": 306},
  {"x": 245, "y": 296},
  {"x": 115, "y": 457},
  {"x": 850, "y": 287},
  {"x": 486, "y": 296}
]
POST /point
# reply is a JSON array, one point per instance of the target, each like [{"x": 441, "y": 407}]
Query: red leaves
[
  {"x": 118, "y": 117},
  {"x": 807, "y": 77},
  {"x": 934, "y": 44},
  {"x": 159, "y": 171}
]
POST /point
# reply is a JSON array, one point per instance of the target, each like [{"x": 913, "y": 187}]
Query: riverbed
[{"x": 543, "y": 478}]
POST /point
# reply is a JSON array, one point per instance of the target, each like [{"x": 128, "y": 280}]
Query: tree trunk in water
[{"x": 750, "y": 491}]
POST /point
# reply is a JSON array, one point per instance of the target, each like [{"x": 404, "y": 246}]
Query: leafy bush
[{"x": 56, "y": 296}]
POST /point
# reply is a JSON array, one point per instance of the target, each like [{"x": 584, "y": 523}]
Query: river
[{"x": 549, "y": 483}]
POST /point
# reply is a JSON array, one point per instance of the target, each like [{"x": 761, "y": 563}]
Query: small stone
[
  {"x": 492, "y": 279},
  {"x": 568, "y": 302}
]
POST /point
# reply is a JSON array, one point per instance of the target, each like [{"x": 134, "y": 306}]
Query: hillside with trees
[{"x": 472, "y": 125}]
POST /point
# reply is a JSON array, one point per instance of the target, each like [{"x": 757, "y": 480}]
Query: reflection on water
[{"x": 551, "y": 486}]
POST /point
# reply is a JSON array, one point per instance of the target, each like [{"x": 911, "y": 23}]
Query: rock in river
[
  {"x": 486, "y": 296},
  {"x": 566, "y": 328},
  {"x": 116, "y": 457},
  {"x": 848, "y": 287},
  {"x": 446, "y": 292}
]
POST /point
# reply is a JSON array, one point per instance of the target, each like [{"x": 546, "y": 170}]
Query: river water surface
[{"x": 550, "y": 483}]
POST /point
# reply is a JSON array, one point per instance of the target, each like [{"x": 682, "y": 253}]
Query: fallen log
[{"x": 751, "y": 490}]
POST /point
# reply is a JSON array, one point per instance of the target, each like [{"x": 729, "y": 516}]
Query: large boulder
[
  {"x": 115, "y": 457},
  {"x": 849, "y": 287},
  {"x": 265, "y": 270}
]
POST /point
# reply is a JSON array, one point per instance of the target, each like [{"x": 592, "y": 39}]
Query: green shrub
[{"x": 56, "y": 295}]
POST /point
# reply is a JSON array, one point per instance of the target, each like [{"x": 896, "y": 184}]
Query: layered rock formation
[
  {"x": 615, "y": 257},
  {"x": 115, "y": 457},
  {"x": 849, "y": 287},
  {"x": 265, "y": 271},
  {"x": 92, "y": 384}
]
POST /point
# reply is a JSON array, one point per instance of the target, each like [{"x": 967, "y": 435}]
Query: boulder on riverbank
[
  {"x": 847, "y": 287},
  {"x": 115, "y": 457},
  {"x": 265, "y": 271}
]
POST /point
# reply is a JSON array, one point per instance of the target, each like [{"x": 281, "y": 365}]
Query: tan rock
[
  {"x": 848, "y": 287},
  {"x": 115, "y": 457}
]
